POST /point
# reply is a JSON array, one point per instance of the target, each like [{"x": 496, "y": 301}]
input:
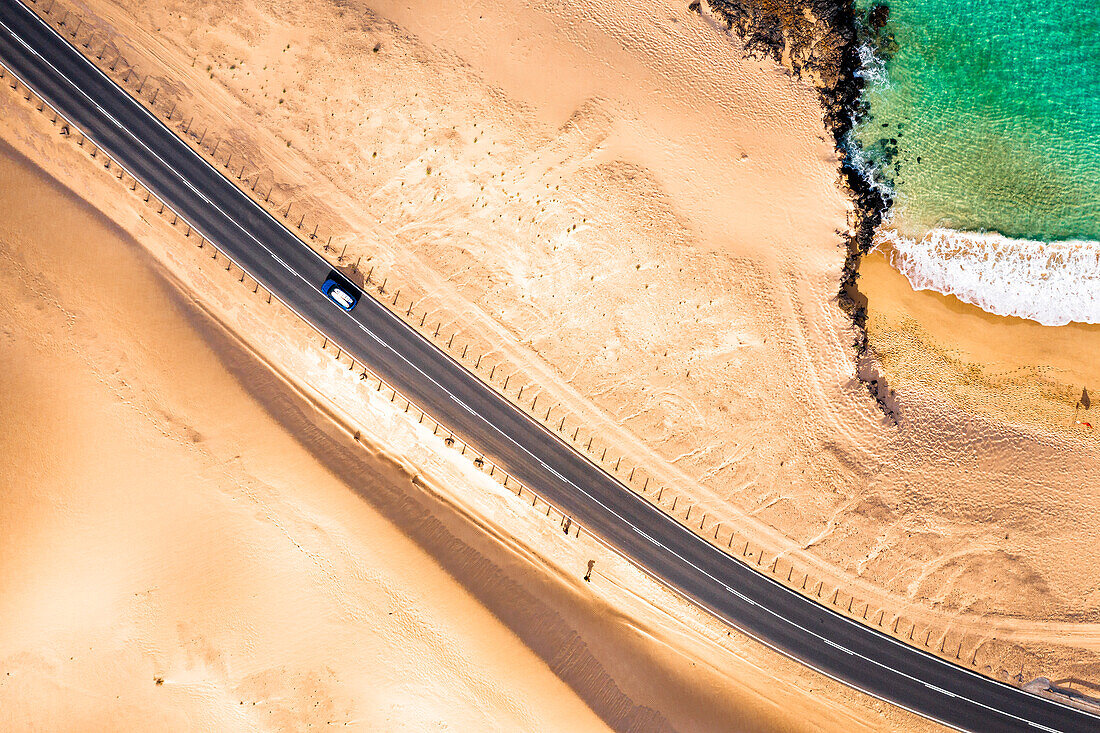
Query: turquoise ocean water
[{"x": 985, "y": 124}]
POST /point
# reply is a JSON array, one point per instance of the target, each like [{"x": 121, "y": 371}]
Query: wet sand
[{"x": 1011, "y": 369}]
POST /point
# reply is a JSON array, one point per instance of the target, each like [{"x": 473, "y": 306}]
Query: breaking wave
[
  {"x": 872, "y": 69},
  {"x": 1054, "y": 283}
]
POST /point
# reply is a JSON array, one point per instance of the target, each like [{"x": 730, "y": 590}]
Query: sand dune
[
  {"x": 647, "y": 226},
  {"x": 174, "y": 558},
  {"x": 189, "y": 544}
]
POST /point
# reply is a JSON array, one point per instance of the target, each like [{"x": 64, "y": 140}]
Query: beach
[
  {"x": 982, "y": 125},
  {"x": 620, "y": 210}
]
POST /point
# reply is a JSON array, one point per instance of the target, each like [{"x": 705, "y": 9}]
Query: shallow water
[{"x": 985, "y": 117}]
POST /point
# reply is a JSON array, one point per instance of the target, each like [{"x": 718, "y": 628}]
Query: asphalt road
[{"x": 781, "y": 618}]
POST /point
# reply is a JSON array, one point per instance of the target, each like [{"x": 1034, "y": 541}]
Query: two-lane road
[{"x": 785, "y": 620}]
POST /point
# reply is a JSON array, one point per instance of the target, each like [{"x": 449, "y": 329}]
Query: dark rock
[
  {"x": 823, "y": 40},
  {"x": 878, "y": 16}
]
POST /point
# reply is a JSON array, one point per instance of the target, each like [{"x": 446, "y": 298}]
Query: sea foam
[
  {"x": 872, "y": 69},
  {"x": 1054, "y": 283}
]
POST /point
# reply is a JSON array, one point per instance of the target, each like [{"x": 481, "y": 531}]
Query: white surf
[{"x": 1054, "y": 283}]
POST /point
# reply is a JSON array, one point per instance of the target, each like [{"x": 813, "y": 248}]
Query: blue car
[{"x": 340, "y": 291}]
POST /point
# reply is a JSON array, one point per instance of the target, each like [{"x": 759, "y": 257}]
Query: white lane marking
[
  {"x": 1040, "y": 726},
  {"x": 140, "y": 142},
  {"x": 612, "y": 512},
  {"x": 608, "y": 509},
  {"x": 461, "y": 404},
  {"x": 843, "y": 649},
  {"x": 372, "y": 334},
  {"x": 551, "y": 470},
  {"x": 940, "y": 690},
  {"x": 719, "y": 583},
  {"x": 741, "y": 595},
  {"x": 645, "y": 535}
]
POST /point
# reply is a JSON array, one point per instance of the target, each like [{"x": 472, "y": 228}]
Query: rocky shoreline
[{"x": 819, "y": 40}]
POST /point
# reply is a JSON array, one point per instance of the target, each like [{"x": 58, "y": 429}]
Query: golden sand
[
  {"x": 646, "y": 226},
  {"x": 1010, "y": 369},
  {"x": 174, "y": 557},
  {"x": 189, "y": 544}
]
